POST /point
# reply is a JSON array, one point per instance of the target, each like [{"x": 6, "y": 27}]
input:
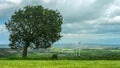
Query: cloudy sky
[{"x": 88, "y": 21}]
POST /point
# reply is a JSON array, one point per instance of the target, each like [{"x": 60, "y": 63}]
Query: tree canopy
[{"x": 34, "y": 26}]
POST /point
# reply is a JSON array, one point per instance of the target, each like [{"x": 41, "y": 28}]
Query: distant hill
[
  {"x": 6, "y": 52},
  {"x": 84, "y": 46},
  {"x": 71, "y": 45},
  {"x": 4, "y": 46}
]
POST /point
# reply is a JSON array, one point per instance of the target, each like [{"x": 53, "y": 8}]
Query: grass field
[
  {"x": 91, "y": 58},
  {"x": 59, "y": 64}
]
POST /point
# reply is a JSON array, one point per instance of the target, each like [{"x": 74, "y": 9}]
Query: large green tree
[{"x": 34, "y": 26}]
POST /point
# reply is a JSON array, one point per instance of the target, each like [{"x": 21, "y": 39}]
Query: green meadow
[
  {"x": 89, "y": 58},
  {"x": 59, "y": 64}
]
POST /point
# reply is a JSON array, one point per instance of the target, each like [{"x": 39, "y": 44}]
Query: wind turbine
[
  {"x": 79, "y": 43},
  {"x": 78, "y": 49}
]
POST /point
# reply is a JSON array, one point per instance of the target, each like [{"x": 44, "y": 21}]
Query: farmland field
[
  {"x": 89, "y": 58},
  {"x": 59, "y": 64}
]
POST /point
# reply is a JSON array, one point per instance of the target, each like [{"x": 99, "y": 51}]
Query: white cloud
[
  {"x": 5, "y": 6},
  {"x": 91, "y": 22},
  {"x": 3, "y": 30},
  {"x": 9, "y": 4},
  {"x": 116, "y": 19},
  {"x": 70, "y": 35},
  {"x": 4, "y": 35},
  {"x": 14, "y": 1},
  {"x": 46, "y": 1},
  {"x": 90, "y": 36}
]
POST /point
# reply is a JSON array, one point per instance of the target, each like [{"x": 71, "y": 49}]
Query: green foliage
[{"x": 34, "y": 26}]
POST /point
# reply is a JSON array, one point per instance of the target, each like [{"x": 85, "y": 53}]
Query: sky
[{"x": 85, "y": 21}]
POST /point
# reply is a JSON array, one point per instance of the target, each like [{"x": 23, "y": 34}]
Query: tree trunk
[{"x": 24, "y": 55}]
